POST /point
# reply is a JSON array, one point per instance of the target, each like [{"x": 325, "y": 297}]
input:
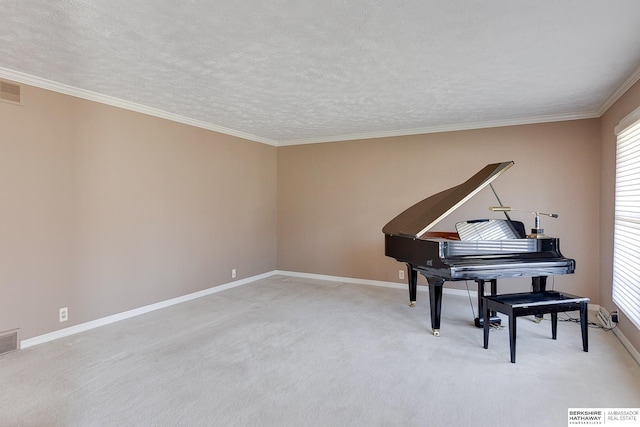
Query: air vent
[
  {"x": 10, "y": 92},
  {"x": 8, "y": 341}
]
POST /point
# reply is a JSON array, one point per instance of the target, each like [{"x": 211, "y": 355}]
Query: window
[{"x": 626, "y": 238}]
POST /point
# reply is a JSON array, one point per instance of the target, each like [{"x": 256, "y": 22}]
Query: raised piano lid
[{"x": 420, "y": 217}]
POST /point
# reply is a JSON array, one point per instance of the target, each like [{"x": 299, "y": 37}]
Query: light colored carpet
[{"x": 286, "y": 351}]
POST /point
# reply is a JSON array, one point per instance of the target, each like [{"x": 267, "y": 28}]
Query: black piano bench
[{"x": 528, "y": 303}]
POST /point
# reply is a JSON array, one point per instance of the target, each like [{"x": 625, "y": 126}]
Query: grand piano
[{"x": 480, "y": 250}]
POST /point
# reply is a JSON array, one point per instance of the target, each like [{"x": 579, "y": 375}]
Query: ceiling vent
[{"x": 10, "y": 92}]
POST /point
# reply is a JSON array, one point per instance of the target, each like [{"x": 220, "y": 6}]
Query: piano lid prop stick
[{"x": 499, "y": 201}]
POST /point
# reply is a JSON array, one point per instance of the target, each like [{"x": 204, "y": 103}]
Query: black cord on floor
[{"x": 595, "y": 325}]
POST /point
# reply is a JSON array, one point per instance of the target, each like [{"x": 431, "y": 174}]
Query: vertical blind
[{"x": 626, "y": 239}]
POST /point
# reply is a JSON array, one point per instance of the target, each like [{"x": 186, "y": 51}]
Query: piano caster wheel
[
  {"x": 537, "y": 319},
  {"x": 436, "y": 332},
  {"x": 412, "y": 303}
]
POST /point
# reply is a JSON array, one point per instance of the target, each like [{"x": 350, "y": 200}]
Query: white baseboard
[
  {"x": 592, "y": 307},
  {"x": 394, "y": 285},
  {"x": 41, "y": 339},
  {"x": 152, "y": 307},
  {"x": 341, "y": 279},
  {"x": 627, "y": 344},
  {"x": 137, "y": 311}
]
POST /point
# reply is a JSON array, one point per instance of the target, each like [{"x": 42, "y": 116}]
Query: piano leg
[
  {"x": 412, "y": 276},
  {"x": 539, "y": 284},
  {"x": 494, "y": 319},
  {"x": 435, "y": 303}
]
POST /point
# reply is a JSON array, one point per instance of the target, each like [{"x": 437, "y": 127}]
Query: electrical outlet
[
  {"x": 63, "y": 314},
  {"x": 233, "y": 273},
  {"x": 401, "y": 274}
]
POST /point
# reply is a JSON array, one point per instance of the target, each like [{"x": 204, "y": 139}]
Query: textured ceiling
[{"x": 285, "y": 71}]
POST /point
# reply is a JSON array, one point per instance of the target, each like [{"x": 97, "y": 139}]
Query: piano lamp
[{"x": 536, "y": 231}]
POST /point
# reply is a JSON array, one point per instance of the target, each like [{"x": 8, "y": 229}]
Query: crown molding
[
  {"x": 24, "y": 78},
  {"x": 633, "y": 78},
  {"x": 446, "y": 128},
  {"x": 27, "y": 79}
]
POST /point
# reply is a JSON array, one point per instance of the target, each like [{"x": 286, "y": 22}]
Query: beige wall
[
  {"x": 334, "y": 198},
  {"x": 625, "y": 105},
  {"x": 104, "y": 210}
]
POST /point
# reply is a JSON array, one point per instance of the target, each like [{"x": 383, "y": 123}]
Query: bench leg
[
  {"x": 554, "y": 325},
  {"x": 486, "y": 325},
  {"x": 512, "y": 337},
  {"x": 584, "y": 326}
]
